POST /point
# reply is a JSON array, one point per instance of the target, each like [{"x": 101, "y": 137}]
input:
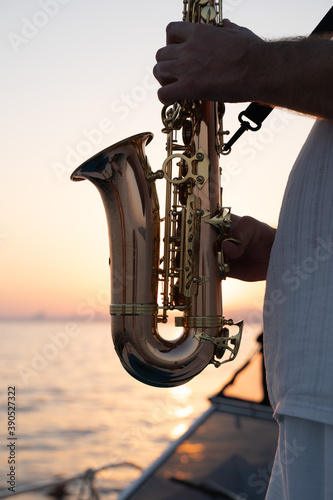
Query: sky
[{"x": 77, "y": 77}]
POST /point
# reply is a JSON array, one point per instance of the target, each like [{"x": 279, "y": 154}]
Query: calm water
[{"x": 78, "y": 409}]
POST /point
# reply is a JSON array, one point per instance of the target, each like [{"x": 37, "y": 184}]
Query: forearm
[{"x": 295, "y": 74}]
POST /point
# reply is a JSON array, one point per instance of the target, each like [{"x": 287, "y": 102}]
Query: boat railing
[{"x": 57, "y": 488}]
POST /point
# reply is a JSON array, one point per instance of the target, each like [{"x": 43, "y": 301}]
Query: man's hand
[
  {"x": 205, "y": 62},
  {"x": 249, "y": 259},
  {"x": 232, "y": 64}
]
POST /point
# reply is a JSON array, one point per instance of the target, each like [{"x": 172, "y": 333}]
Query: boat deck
[{"x": 227, "y": 454}]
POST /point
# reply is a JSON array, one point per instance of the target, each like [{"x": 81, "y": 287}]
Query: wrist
[{"x": 277, "y": 73}]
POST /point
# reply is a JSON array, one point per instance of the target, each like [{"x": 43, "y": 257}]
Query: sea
[{"x": 67, "y": 406}]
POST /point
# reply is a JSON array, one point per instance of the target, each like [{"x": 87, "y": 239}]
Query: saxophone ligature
[{"x": 187, "y": 272}]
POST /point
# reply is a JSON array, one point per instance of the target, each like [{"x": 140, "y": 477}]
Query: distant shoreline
[
  {"x": 41, "y": 319},
  {"x": 248, "y": 315}
]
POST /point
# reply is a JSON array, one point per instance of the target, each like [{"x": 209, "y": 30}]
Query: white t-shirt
[{"x": 298, "y": 309}]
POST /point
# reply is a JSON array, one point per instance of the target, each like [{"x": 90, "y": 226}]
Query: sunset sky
[{"x": 76, "y": 77}]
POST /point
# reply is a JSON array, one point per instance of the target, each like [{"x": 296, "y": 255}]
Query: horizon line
[
  {"x": 41, "y": 316},
  {"x": 45, "y": 317}
]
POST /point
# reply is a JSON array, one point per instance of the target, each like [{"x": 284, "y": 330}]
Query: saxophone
[{"x": 189, "y": 270}]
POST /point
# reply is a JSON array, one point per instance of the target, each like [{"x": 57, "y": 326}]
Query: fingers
[
  {"x": 243, "y": 229},
  {"x": 171, "y": 61},
  {"x": 162, "y": 72},
  {"x": 166, "y": 70},
  {"x": 228, "y": 24},
  {"x": 175, "y": 35},
  {"x": 171, "y": 70},
  {"x": 232, "y": 250},
  {"x": 177, "y": 32},
  {"x": 168, "y": 53},
  {"x": 167, "y": 75},
  {"x": 254, "y": 236},
  {"x": 169, "y": 94}
]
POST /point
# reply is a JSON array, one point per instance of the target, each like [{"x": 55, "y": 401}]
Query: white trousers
[{"x": 303, "y": 465}]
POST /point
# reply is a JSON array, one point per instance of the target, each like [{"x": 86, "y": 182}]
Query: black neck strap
[
  {"x": 325, "y": 25},
  {"x": 256, "y": 112}
]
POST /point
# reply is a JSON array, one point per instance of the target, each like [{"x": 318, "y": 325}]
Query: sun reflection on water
[
  {"x": 180, "y": 392},
  {"x": 177, "y": 431},
  {"x": 183, "y": 412},
  {"x": 181, "y": 409}
]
